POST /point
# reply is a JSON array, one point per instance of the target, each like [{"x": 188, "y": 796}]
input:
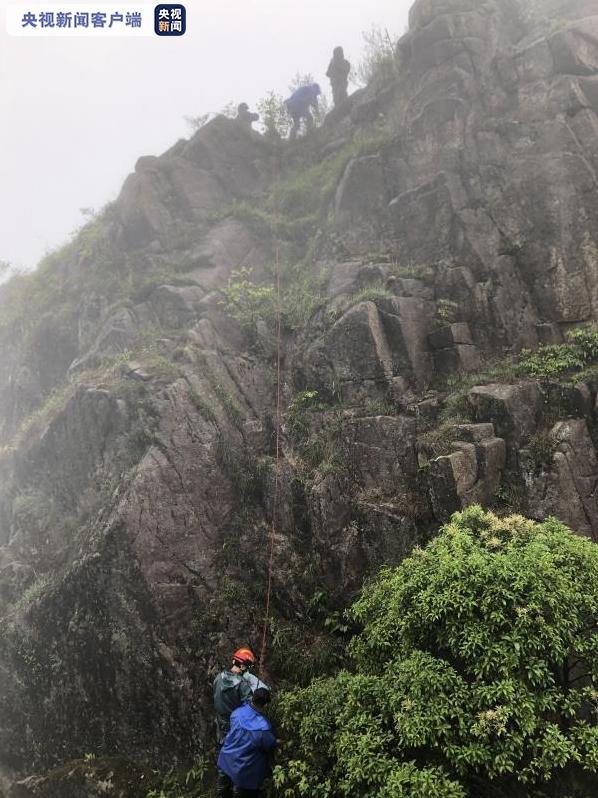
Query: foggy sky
[{"x": 77, "y": 113}]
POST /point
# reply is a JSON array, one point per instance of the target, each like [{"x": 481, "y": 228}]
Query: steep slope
[{"x": 437, "y": 221}]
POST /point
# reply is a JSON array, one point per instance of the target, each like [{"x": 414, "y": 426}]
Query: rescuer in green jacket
[{"x": 233, "y": 688}]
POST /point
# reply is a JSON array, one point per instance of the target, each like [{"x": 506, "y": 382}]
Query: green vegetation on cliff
[{"x": 476, "y": 674}]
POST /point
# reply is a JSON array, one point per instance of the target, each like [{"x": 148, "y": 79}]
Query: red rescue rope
[{"x": 275, "y": 503}]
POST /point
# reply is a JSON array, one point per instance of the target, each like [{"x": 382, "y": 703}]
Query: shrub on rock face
[{"x": 476, "y": 674}]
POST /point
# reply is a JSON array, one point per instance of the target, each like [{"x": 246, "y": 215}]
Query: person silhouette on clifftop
[
  {"x": 245, "y": 117},
  {"x": 338, "y": 72}
]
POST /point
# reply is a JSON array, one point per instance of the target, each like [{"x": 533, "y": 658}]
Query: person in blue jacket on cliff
[
  {"x": 244, "y": 760},
  {"x": 299, "y": 106}
]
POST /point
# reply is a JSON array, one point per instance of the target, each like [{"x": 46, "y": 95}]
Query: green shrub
[
  {"x": 183, "y": 783},
  {"x": 576, "y": 359},
  {"x": 549, "y": 361},
  {"x": 274, "y": 116},
  {"x": 586, "y": 341},
  {"x": 247, "y": 301},
  {"x": 476, "y": 674},
  {"x": 553, "y": 360}
]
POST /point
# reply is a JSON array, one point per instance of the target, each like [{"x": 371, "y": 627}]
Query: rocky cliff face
[{"x": 436, "y": 222}]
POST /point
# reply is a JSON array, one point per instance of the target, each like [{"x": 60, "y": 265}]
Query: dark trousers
[
  {"x": 226, "y": 789},
  {"x": 339, "y": 92}
]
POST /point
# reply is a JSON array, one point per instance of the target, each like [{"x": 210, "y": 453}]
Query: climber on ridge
[
  {"x": 244, "y": 759},
  {"x": 233, "y": 688},
  {"x": 299, "y": 106},
  {"x": 245, "y": 117},
  {"x": 338, "y": 72}
]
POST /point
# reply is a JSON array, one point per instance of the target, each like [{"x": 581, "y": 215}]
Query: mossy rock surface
[{"x": 111, "y": 777}]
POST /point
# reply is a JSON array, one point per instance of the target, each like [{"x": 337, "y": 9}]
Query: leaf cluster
[
  {"x": 578, "y": 352},
  {"x": 183, "y": 784}
]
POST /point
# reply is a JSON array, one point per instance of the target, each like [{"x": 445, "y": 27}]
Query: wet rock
[
  {"x": 513, "y": 409},
  {"x": 176, "y": 306},
  {"x": 381, "y": 451},
  {"x": 566, "y": 486},
  {"x": 116, "y": 334},
  {"x": 471, "y": 474},
  {"x": 451, "y": 335},
  {"x": 93, "y": 778},
  {"x": 226, "y": 246},
  {"x": 575, "y": 49},
  {"x": 72, "y": 445},
  {"x": 355, "y": 355},
  {"x": 560, "y": 401},
  {"x": 361, "y": 191},
  {"x": 370, "y": 346},
  {"x": 427, "y": 412},
  {"x": 410, "y": 287},
  {"x": 458, "y": 359},
  {"x": 136, "y": 371},
  {"x": 187, "y": 184},
  {"x": 474, "y": 433}
]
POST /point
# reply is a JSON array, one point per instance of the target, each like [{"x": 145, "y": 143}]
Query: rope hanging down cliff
[{"x": 276, "y": 500}]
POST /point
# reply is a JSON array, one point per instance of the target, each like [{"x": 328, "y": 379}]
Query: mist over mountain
[{"x": 436, "y": 241}]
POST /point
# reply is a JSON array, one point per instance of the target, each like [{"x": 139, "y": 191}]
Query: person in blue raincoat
[
  {"x": 244, "y": 759},
  {"x": 299, "y": 106}
]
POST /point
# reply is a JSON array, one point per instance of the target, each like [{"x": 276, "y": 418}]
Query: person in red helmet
[{"x": 234, "y": 687}]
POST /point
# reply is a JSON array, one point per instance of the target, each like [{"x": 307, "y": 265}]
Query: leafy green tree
[
  {"x": 475, "y": 674},
  {"x": 273, "y": 116}
]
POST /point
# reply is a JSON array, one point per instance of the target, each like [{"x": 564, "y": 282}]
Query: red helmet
[{"x": 244, "y": 656}]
